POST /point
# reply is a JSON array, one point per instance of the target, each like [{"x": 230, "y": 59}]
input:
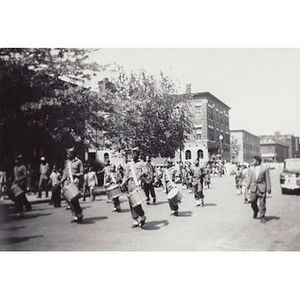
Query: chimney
[{"x": 188, "y": 88}]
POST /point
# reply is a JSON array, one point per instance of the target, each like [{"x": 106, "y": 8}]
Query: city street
[{"x": 225, "y": 223}]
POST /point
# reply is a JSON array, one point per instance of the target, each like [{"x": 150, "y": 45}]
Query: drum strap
[
  {"x": 113, "y": 177},
  {"x": 169, "y": 178},
  {"x": 70, "y": 171},
  {"x": 133, "y": 174}
]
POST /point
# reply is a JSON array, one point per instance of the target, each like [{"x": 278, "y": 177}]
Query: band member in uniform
[
  {"x": 73, "y": 172},
  {"x": 198, "y": 176},
  {"x": 167, "y": 182},
  {"x": 20, "y": 179},
  {"x": 134, "y": 172},
  {"x": 110, "y": 178},
  {"x": 149, "y": 180}
]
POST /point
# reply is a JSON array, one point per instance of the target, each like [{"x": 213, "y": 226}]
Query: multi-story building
[
  {"x": 210, "y": 139},
  {"x": 247, "y": 143},
  {"x": 273, "y": 151},
  {"x": 287, "y": 139}
]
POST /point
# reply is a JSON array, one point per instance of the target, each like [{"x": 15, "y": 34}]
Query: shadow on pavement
[
  {"x": 160, "y": 203},
  {"x": 185, "y": 213},
  {"x": 126, "y": 210},
  {"x": 210, "y": 204},
  {"x": 92, "y": 220},
  {"x": 29, "y": 215},
  {"x": 15, "y": 240},
  {"x": 155, "y": 225},
  {"x": 269, "y": 218},
  {"x": 13, "y": 228}
]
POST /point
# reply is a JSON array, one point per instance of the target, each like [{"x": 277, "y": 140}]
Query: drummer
[
  {"x": 137, "y": 212},
  {"x": 168, "y": 184},
  {"x": 73, "y": 172},
  {"x": 110, "y": 178},
  {"x": 198, "y": 176}
]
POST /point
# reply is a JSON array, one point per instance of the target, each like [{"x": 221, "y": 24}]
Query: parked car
[{"x": 290, "y": 176}]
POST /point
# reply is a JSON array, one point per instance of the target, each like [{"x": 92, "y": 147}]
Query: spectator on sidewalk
[
  {"x": 55, "y": 177},
  {"x": 44, "y": 177}
]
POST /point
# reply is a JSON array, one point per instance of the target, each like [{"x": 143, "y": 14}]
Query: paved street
[{"x": 225, "y": 223}]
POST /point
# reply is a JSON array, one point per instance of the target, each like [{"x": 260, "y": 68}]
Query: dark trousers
[
  {"x": 149, "y": 188},
  {"x": 20, "y": 201},
  {"x": 136, "y": 211},
  {"x": 116, "y": 202},
  {"x": 75, "y": 207},
  {"x": 261, "y": 198},
  {"x": 55, "y": 197}
]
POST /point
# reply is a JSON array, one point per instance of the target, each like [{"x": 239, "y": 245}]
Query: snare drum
[
  {"x": 137, "y": 197},
  {"x": 175, "y": 196},
  {"x": 70, "y": 192},
  {"x": 16, "y": 190},
  {"x": 113, "y": 191}
]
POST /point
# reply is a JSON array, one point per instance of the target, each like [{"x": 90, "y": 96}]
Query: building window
[
  {"x": 198, "y": 134},
  {"x": 200, "y": 154},
  {"x": 106, "y": 156},
  {"x": 188, "y": 154}
]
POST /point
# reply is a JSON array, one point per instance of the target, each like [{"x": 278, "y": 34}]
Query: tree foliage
[
  {"x": 235, "y": 147},
  {"x": 53, "y": 98},
  {"x": 148, "y": 114}
]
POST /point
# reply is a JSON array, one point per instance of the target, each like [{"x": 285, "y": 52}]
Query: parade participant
[
  {"x": 244, "y": 177},
  {"x": 134, "y": 172},
  {"x": 85, "y": 187},
  {"x": 238, "y": 180},
  {"x": 44, "y": 177},
  {"x": 198, "y": 175},
  {"x": 207, "y": 177},
  {"x": 168, "y": 184},
  {"x": 56, "y": 188},
  {"x": 259, "y": 184},
  {"x": 20, "y": 179},
  {"x": 73, "y": 173},
  {"x": 149, "y": 180},
  {"x": 110, "y": 179}
]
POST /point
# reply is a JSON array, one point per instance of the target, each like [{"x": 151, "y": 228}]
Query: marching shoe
[
  {"x": 148, "y": 202},
  {"x": 176, "y": 213},
  {"x": 143, "y": 220},
  {"x": 135, "y": 224},
  {"x": 263, "y": 220},
  {"x": 255, "y": 215},
  {"x": 154, "y": 200}
]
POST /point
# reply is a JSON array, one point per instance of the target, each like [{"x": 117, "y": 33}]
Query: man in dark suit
[{"x": 259, "y": 184}]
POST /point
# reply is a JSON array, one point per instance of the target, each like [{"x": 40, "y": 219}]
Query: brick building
[{"x": 211, "y": 135}]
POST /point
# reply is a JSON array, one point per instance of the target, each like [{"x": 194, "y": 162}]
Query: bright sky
[{"x": 262, "y": 86}]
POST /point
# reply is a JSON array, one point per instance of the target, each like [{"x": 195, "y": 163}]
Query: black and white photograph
[{"x": 154, "y": 153}]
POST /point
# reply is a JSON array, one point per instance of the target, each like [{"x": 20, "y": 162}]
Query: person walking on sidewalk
[
  {"x": 259, "y": 184},
  {"x": 56, "y": 188},
  {"x": 44, "y": 177}
]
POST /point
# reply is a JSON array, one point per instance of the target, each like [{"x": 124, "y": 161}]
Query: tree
[
  {"x": 235, "y": 148},
  {"x": 43, "y": 96},
  {"x": 148, "y": 114}
]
